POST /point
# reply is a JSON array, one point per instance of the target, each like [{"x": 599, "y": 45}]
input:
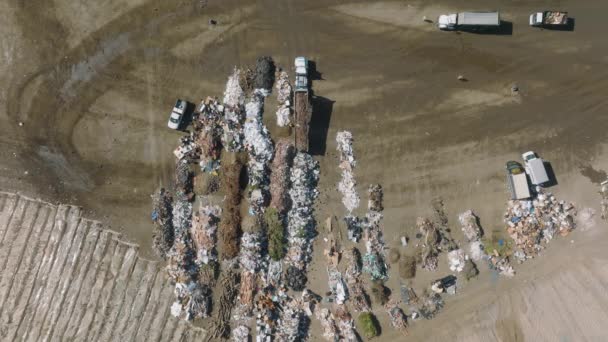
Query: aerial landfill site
[{"x": 303, "y": 171}]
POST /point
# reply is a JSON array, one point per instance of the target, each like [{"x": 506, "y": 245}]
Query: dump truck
[
  {"x": 549, "y": 19},
  {"x": 469, "y": 21},
  {"x": 302, "y": 105},
  {"x": 535, "y": 167},
  {"x": 517, "y": 181}
]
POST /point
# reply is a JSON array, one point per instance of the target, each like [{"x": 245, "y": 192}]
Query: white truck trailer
[
  {"x": 517, "y": 181},
  {"x": 549, "y": 19},
  {"x": 469, "y": 21},
  {"x": 535, "y": 167}
]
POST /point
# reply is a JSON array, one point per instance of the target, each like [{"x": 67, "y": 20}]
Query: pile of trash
[
  {"x": 182, "y": 217},
  {"x": 291, "y": 322},
  {"x": 477, "y": 250},
  {"x": 336, "y": 282},
  {"x": 220, "y": 326},
  {"x": 456, "y": 260},
  {"x": 266, "y": 317},
  {"x": 501, "y": 265},
  {"x": 470, "y": 227},
  {"x": 193, "y": 301},
  {"x": 529, "y": 222},
  {"x": 183, "y": 181},
  {"x": 234, "y": 102},
  {"x": 358, "y": 298},
  {"x": 604, "y": 202},
  {"x": 347, "y": 184},
  {"x": 203, "y": 233},
  {"x": 279, "y": 177},
  {"x": 231, "y": 217},
  {"x": 373, "y": 261},
  {"x": 300, "y": 219},
  {"x": 208, "y": 132},
  {"x": 284, "y": 98},
  {"x": 187, "y": 150},
  {"x": 398, "y": 318},
  {"x": 162, "y": 216}
]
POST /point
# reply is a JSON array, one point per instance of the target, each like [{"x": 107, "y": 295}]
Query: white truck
[
  {"x": 177, "y": 114},
  {"x": 469, "y": 21},
  {"x": 301, "y": 64},
  {"x": 549, "y": 19},
  {"x": 517, "y": 180},
  {"x": 535, "y": 167}
]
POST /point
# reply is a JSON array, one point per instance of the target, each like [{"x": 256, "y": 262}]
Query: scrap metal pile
[{"x": 529, "y": 223}]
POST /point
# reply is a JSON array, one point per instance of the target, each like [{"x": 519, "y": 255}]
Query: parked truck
[
  {"x": 302, "y": 105},
  {"x": 549, "y": 19},
  {"x": 517, "y": 181},
  {"x": 535, "y": 167},
  {"x": 469, "y": 21}
]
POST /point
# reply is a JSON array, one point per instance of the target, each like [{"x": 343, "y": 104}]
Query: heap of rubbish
[
  {"x": 234, "y": 108},
  {"x": 501, "y": 265},
  {"x": 203, "y": 232},
  {"x": 430, "y": 305},
  {"x": 358, "y": 297},
  {"x": 279, "y": 178},
  {"x": 162, "y": 216},
  {"x": 354, "y": 227},
  {"x": 220, "y": 327},
  {"x": 264, "y": 73},
  {"x": 347, "y": 184},
  {"x": 398, "y": 318},
  {"x": 284, "y": 98},
  {"x": 374, "y": 260},
  {"x": 300, "y": 219},
  {"x": 470, "y": 226},
  {"x": 531, "y": 222}
]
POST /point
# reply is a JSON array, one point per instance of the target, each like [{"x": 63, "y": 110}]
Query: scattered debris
[
  {"x": 398, "y": 318},
  {"x": 470, "y": 269},
  {"x": 358, "y": 297},
  {"x": 431, "y": 304},
  {"x": 326, "y": 318},
  {"x": 502, "y": 265},
  {"x": 373, "y": 261},
  {"x": 586, "y": 219},
  {"x": 604, "y": 202},
  {"x": 346, "y": 325}
]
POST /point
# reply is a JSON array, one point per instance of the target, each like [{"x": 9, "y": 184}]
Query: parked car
[{"x": 177, "y": 114}]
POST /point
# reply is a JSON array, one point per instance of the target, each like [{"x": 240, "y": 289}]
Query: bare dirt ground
[{"x": 93, "y": 84}]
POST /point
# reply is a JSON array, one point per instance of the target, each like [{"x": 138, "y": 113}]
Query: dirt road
[{"x": 93, "y": 87}]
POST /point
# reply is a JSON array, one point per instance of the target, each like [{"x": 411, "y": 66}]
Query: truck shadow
[
  {"x": 568, "y": 27},
  {"x": 550, "y": 174},
  {"x": 188, "y": 117},
  {"x": 505, "y": 29},
  {"x": 322, "y": 108},
  {"x": 314, "y": 74}
]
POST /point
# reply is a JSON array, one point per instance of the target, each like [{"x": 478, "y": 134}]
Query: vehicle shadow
[
  {"x": 568, "y": 27},
  {"x": 505, "y": 29},
  {"x": 314, "y": 74},
  {"x": 551, "y": 174},
  {"x": 188, "y": 117},
  {"x": 322, "y": 108}
]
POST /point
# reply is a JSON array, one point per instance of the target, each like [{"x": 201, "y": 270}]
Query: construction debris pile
[
  {"x": 300, "y": 219},
  {"x": 336, "y": 282},
  {"x": 374, "y": 260},
  {"x": 456, "y": 260},
  {"x": 231, "y": 217},
  {"x": 234, "y": 102},
  {"x": 203, "y": 232},
  {"x": 531, "y": 222},
  {"x": 430, "y": 305},
  {"x": 345, "y": 324},
  {"x": 328, "y": 324},
  {"x": 207, "y": 134},
  {"x": 220, "y": 327},
  {"x": 398, "y": 318},
  {"x": 470, "y": 226},
  {"x": 358, "y": 297},
  {"x": 279, "y": 178},
  {"x": 347, "y": 184},
  {"x": 162, "y": 216},
  {"x": 260, "y": 150},
  {"x": 284, "y": 98},
  {"x": 430, "y": 243}
]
